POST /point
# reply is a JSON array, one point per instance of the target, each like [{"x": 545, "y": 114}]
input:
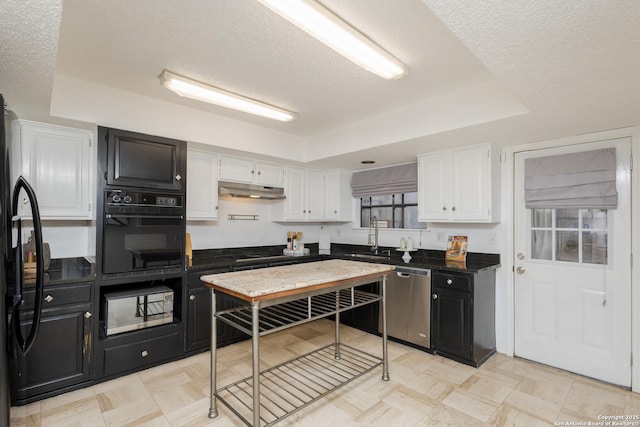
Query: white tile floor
[{"x": 423, "y": 390}]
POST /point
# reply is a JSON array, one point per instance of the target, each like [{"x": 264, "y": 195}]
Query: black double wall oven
[{"x": 140, "y": 242}]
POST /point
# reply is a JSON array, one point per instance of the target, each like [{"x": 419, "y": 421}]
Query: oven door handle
[{"x": 126, "y": 216}]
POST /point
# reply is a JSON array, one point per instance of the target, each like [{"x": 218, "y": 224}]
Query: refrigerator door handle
[{"x": 26, "y": 344}]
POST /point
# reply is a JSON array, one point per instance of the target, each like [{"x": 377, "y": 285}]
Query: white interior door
[{"x": 572, "y": 278}]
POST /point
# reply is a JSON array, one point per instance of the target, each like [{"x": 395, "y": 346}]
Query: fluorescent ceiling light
[
  {"x": 327, "y": 27},
  {"x": 184, "y": 86}
]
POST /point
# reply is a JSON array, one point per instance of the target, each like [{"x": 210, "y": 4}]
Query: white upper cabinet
[
  {"x": 459, "y": 185},
  {"x": 304, "y": 195},
  {"x": 202, "y": 185},
  {"x": 58, "y": 162},
  {"x": 238, "y": 169},
  {"x": 338, "y": 199},
  {"x": 319, "y": 196}
]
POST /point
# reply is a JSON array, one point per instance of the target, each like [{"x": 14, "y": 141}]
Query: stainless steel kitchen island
[{"x": 276, "y": 298}]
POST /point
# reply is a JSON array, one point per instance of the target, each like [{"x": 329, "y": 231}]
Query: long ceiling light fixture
[
  {"x": 331, "y": 30},
  {"x": 189, "y": 88}
]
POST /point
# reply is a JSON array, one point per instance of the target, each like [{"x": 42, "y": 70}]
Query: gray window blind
[
  {"x": 391, "y": 180},
  {"x": 575, "y": 180}
]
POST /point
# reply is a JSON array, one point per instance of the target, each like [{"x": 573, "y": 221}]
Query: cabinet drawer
[
  {"x": 139, "y": 354},
  {"x": 54, "y": 296},
  {"x": 456, "y": 282}
]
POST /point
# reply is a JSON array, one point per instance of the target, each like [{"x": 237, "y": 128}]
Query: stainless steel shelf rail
[{"x": 269, "y": 396}]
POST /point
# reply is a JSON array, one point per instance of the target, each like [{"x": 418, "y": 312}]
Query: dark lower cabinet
[
  {"x": 59, "y": 358},
  {"x": 198, "y": 331},
  {"x": 366, "y": 317},
  {"x": 463, "y": 316}
]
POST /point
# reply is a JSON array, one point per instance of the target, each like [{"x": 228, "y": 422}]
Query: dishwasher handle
[{"x": 403, "y": 275}]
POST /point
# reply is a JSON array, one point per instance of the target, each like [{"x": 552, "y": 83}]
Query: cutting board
[{"x": 189, "y": 250}]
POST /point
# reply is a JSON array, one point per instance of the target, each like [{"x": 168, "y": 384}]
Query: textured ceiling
[
  {"x": 28, "y": 45},
  {"x": 508, "y": 72},
  {"x": 244, "y": 47}
]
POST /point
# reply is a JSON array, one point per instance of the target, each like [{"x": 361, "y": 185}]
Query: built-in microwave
[{"x": 134, "y": 309}]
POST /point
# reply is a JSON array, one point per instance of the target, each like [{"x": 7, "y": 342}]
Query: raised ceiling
[{"x": 508, "y": 72}]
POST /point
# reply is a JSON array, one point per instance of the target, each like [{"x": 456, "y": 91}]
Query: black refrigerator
[{"x": 13, "y": 337}]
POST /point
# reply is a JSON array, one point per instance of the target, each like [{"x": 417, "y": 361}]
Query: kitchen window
[
  {"x": 391, "y": 211},
  {"x": 570, "y": 235}
]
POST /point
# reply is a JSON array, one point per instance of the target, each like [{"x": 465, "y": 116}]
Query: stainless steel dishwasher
[{"x": 409, "y": 306}]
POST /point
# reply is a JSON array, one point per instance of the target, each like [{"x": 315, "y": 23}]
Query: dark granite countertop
[
  {"x": 67, "y": 270},
  {"x": 211, "y": 259}
]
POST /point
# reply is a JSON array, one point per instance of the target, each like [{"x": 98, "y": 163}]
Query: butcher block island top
[{"x": 276, "y": 282}]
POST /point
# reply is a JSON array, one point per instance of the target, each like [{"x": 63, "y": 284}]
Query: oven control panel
[{"x": 123, "y": 198}]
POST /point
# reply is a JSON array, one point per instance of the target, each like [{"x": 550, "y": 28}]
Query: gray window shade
[
  {"x": 575, "y": 180},
  {"x": 391, "y": 180}
]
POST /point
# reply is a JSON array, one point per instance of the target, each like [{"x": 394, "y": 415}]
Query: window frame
[{"x": 393, "y": 206}]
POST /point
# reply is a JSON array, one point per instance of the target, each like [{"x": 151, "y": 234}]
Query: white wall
[{"x": 225, "y": 233}]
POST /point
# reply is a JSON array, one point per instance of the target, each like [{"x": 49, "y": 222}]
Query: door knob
[{"x": 520, "y": 270}]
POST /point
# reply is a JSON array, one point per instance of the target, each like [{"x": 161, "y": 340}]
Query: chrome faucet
[{"x": 373, "y": 227}]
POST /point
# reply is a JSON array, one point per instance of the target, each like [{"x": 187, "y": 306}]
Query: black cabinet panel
[
  {"x": 365, "y": 318},
  {"x": 199, "y": 316},
  {"x": 143, "y": 353},
  {"x": 451, "y": 322},
  {"x": 147, "y": 161},
  {"x": 60, "y": 355},
  {"x": 463, "y": 316}
]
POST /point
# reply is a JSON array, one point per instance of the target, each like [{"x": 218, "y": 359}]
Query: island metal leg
[
  {"x": 383, "y": 307},
  {"x": 213, "y": 410},
  {"x": 337, "y": 322},
  {"x": 255, "y": 341}
]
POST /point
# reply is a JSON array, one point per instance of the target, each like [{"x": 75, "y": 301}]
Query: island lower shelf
[{"x": 293, "y": 385}]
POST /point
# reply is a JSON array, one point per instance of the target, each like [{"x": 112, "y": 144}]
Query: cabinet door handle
[
  {"x": 453, "y": 208},
  {"x": 87, "y": 315},
  {"x": 178, "y": 177},
  {"x": 192, "y": 297},
  {"x": 144, "y": 353},
  {"x": 444, "y": 208},
  {"x": 435, "y": 296},
  {"x": 259, "y": 172},
  {"x": 48, "y": 298},
  {"x": 335, "y": 212},
  {"x": 449, "y": 282}
]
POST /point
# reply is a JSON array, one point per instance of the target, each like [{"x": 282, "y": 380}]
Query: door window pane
[
  {"x": 542, "y": 218},
  {"x": 541, "y": 244},
  {"x": 567, "y": 246},
  {"x": 568, "y": 218},
  {"x": 594, "y": 247},
  {"x": 594, "y": 219}
]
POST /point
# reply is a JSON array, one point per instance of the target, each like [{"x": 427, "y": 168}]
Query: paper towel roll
[{"x": 324, "y": 241}]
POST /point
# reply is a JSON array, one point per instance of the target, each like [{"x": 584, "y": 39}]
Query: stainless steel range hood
[{"x": 236, "y": 189}]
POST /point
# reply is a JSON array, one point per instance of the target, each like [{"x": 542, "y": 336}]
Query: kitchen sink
[{"x": 367, "y": 256}]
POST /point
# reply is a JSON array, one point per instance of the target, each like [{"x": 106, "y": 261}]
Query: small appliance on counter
[{"x": 30, "y": 255}]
